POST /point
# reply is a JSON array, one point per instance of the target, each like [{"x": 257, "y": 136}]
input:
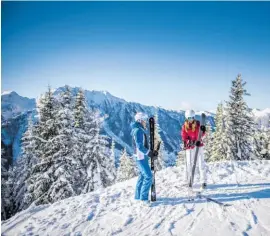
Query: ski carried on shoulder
[{"x": 152, "y": 147}]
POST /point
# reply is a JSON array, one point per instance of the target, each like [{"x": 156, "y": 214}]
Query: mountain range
[{"x": 118, "y": 113}]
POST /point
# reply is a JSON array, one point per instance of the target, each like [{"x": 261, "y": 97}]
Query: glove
[
  {"x": 203, "y": 128},
  {"x": 188, "y": 144},
  {"x": 153, "y": 154},
  {"x": 185, "y": 145},
  {"x": 198, "y": 143}
]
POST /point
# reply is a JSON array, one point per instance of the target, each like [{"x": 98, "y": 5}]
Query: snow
[
  {"x": 13, "y": 104},
  {"x": 100, "y": 97},
  {"x": 112, "y": 211},
  {"x": 7, "y": 92},
  {"x": 116, "y": 138},
  {"x": 207, "y": 113}
]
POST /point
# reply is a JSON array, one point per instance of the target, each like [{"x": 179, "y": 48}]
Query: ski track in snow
[{"x": 112, "y": 211}]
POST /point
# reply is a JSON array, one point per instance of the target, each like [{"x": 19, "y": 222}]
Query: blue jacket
[{"x": 138, "y": 135}]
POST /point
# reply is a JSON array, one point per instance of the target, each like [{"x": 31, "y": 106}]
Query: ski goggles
[{"x": 191, "y": 118}]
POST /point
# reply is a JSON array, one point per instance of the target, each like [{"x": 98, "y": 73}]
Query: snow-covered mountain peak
[
  {"x": 7, "y": 92},
  {"x": 207, "y": 113},
  {"x": 100, "y": 97},
  {"x": 93, "y": 96},
  {"x": 262, "y": 117},
  {"x": 13, "y": 104}
]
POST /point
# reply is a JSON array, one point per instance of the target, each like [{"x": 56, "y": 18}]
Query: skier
[
  {"x": 189, "y": 133},
  {"x": 142, "y": 153}
]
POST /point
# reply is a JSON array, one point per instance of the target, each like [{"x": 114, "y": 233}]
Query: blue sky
[{"x": 177, "y": 55}]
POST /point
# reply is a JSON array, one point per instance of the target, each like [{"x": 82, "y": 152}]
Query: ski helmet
[
  {"x": 190, "y": 114},
  {"x": 140, "y": 117}
]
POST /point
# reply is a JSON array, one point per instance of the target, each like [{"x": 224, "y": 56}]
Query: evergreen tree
[
  {"x": 52, "y": 177},
  {"x": 100, "y": 166},
  {"x": 262, "y": 144},
  {"x": 127, "y": 168},
  {"x": 208, "y": 142},
  {"x": 218, "y": 151},
  {"x": 23, "y": 168},
  {"x": 92, "y": 147},
  {"x": 112, "y": 152},
  {"x": 80, "y": 110},
  {"x": 6, "y": 203},
  {"x": 239, "y": 123},
  {"x": 267, "y": 146},
  {"x": 67, "y": 174},
  {"x": 48, "y": 108},
  {"x": 85, "y": 131}
]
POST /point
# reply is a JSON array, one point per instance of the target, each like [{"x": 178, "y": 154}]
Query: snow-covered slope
[
  {"x": 112, "y": 211},
  {"x": 13, "y": 104}
]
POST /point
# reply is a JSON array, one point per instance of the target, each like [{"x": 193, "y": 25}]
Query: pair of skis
[
  {"x": 152, "y": 148},
  {"x": 191, "y": 178}
]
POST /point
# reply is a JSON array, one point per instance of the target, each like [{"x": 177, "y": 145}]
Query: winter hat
[
  {"x": 189, "y": 113},
  {"x": 140, "y": 117}
]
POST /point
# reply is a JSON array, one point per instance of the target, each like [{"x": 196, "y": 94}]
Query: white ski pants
[{"x": 190, "y": 153}]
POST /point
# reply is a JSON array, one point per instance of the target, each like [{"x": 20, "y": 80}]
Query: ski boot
[{"x": 204, "y": 185}]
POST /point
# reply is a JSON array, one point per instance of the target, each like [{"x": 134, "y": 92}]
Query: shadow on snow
[{"x": 223, "y": 197}]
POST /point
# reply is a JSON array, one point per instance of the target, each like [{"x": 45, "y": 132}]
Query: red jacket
[{"x": 190, "y": 132}]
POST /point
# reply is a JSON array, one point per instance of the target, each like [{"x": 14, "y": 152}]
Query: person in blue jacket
[{"x": 142, "y": 153}]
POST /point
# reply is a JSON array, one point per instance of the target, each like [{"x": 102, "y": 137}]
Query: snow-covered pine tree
[
  {"x": 80, "y": 110},
  {"x": 24, "y": 165},
  {"x": 112, "y": 152},
  {"x": 268, "y": 142},
  {"x": 218, "y": 151},
  {"x": 239, "y": 123},
  {"x": 84, "y": 133},
  {"x": 68, "y": 172},
  {"x": 106, "y": 170},
  {"x": 40, "y": 179},
  {"x": 51, "y": 178},
  {"x": 6, "y": 203},
  {"x": 92, "y": 147},
  {"x": 262, "y": 144},
  {"x": 67, "y": 99},
  {"x": 127, "y": 168},
  {"x": 208, "y": 142}
]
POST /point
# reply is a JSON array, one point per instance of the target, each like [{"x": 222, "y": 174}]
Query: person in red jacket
[{"x": 189, "y": 133}]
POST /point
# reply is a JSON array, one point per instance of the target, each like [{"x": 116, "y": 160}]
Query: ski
[
  {"x": 199, "y": 195},
  {"x": 152, "y": 146},
  {"x": 213, "y": 200},
  {"x": 203, "y": 120}
]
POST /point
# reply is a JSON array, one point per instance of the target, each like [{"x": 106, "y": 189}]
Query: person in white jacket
[{"x": 190, "y": 131}]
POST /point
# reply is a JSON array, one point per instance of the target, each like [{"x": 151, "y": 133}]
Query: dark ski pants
[{"x": 144, "y": 181}]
